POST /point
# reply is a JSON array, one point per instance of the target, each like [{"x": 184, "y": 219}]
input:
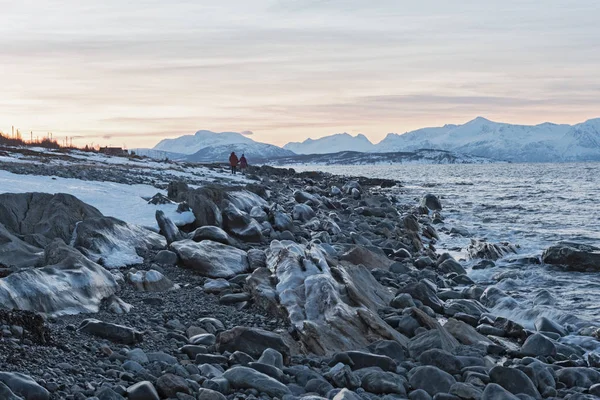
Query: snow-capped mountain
[
  {"x": 255, "y": 152},
  {"x": 190, "y": 144},
  {"x": 207, "y": 146},
  {"x": 332, "y": 144},
  {"x": 518, "y": 143}
]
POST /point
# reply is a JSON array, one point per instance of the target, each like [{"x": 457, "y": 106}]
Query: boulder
[
  {"x": 257, "y": 259},
  {"x": 360, "y": 255},
  {"x": 442, "y": 360},
  {"x": 497, "y": 392},
  {"x": 16, "y": 253},
  {"x": 168, "y": 385},
  {"x": 213, "y": 233},
  {"x": 431, "y": 379},
  {"x": 150, "y": 281},
  {"x": 240, "y": 224},
  {"x": 538, "y": 345},
  {"x": 166, "y": 258},
  {"x": 211, "y": 259},
  {"x": 303, "y": 213},
  {"x": 573, "y": 256},
  {"x": 168, "y": 228},
  {"x": 142, "y": 391},
  {"x": 489, "y": 251},
  {"x": 69, "y": 283},
  {"x": 466, "y": 334},
  {"x": 252, "y": 341},
  {"x": 578, "y": 377},
  {"x": 114, "y": 243},
  {"x": 380, "y": 382},
  {"x": 24, "y": 386},
  {"x": 281, "y": 221},
  {"x": 7, "y": 394},
  {"x": 425, "y": 293},
  {"x": 431, "y": 202},
  {"x": 112, "y": 332},
  {"x": 248, "y": 378},
  {"x": 514, "y": 381},
  {"x": 204, "y": 208}
]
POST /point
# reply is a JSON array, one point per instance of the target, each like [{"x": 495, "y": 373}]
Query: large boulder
[
  {"x": 331, "y": 308},
  {"x": 114, "y": 243},
  {"x": 213, "y": 233},
  {"x": 489, "y": 251},
  {"x": 252, "y": 341},
  {"x": 16, "y": 253},
  {"x": 239, "y": 224},
  {"x": 573, "y": 256},
  {"x": 150, "y": 281},
  {"x": 578, "y": 377},
  {"x": 303, "y": 213},
  {"x": 431, "y": 379},
  {"x": 538, "y": 345},
  {"x": 360, "y": 255},
  {"x": 514, "y": 380},
  {"x": 68, "y": 284},
  {"x": 24, "y": 386},
  {"x": 248, "y": 378},
  {"x": 211, "y": 259},
  {"x": 168, "y": 228},
  {"x": 431, "y": 202},
  {"x": 39, "y": 218}
]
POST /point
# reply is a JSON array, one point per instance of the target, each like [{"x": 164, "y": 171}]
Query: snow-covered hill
[
  {"x": 518, "y": 143},
  {"x": 255, "y": 152},
  {"x": 190, "y": 144},
  {"x": 332, "y": 144}
]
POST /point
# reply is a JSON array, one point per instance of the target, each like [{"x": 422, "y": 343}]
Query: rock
[
  {"x": 107, "y": 393},
  {"x": 150, "y": 281},
  {"x": 211, "y": 259},
  {"x": 241, "y": 225},
  {"x": 465, "y": 391},
  {"x": 538, "y": 345},
  {"x": 319, "y": 386},
  {"x": 451, "y": 265},
  {"x": 464, "y": 306},
  {"x": 114, "y": 243},
  {"x": 360, "y": 359},
  {"x": 248, "y": 378},
  {"x": 497, "y": 392},
  {"x": 423, "y": 292},
  {"x": 69, "y": 283},
  {"x": 213, "y": 233},
  {"x": 442, "y": 360},
  {"x": 169, "y": 385},
  {"x": 281, "y": 221},
  {"x": 24, "y": 386},
  {"x": 204, "y": 339},
  {"x": 257, "y": 259},
  {"x": 389, "y": 348},
  {"x": 207, "y": 394},
  {"x": 304, "y": 197},
  {"x": 578, "y": 377},
  {"x": 252, "y": 341},
  {"x": 342, "y": 377},
  {"x": 168, "y": 228},
  {"x": 166, "y": 257},
  {"x": 381, "y": 382},
  {"x": 204, "y": 208},
  {"x": 466, "y": 334},
  {"x": 7, "y": 394},
  {"x": 142, "y": 391},
  {"x": 514, "y": 381},
  {"x": 303, "y": 213},
  {"x": 211, "y": 325},
  {"x": 272, "y": 357},
  {"x": 112, "y": 332},
  {"x": 431, "y": 379},
  {"x": 431, "y": 202},
  {"x": 360, "y": 255},
  {"x": 489, "y": 251},
  {"x": 573, "y": 256},
  {"x": 16, "y": 253},
  {"x": 138, "y": 355},
  {"x": 543, "y": 324},
  {"x": 411, "y": 223},
  {"x": 402, "y": 301},
  {"x": 419, "y": 394},
  {"x": 213, "y": 286}
]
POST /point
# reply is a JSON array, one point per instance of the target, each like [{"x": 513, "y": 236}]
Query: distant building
[{"x": 114, "y": 151}]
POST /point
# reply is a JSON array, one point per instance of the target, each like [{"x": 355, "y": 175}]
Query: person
[
  {"x": 243, "y": 164},
  {"x": 233, "y": 161}
]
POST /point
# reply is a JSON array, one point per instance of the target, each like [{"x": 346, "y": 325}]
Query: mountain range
[{"x": 480, "y": 137}]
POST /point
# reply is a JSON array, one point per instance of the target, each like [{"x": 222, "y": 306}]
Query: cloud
[{"x": 247, "y": 133}]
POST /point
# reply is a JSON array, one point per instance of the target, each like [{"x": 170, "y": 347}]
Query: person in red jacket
[
  {"x": 243, "y": 164},
  {"x": 233, "y": 161}
]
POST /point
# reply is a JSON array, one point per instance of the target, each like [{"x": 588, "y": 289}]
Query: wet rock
[
  {"x": 389, "y": 348},
  {"x": 538, "y": 345},
  {"x": 213, "y": 233},
  {"x": 360, "y": 359},
  {"x": 573, "y": 256},
  {"x": 248, "y": 378},
  {"x": 211, "y": 259},
  {"x": 489, "y": 251},
  {"x": 142, "y": 391},
  {"x": 252, "y": 341},
  {"x": 24, "y": 386},
  {"x": 402, "y": 301},
  {"x": 431, "y": 202},
  {"x": 514, "y": 381},
  {"x": 112, "y": 332},
  {"x": 451, "y": 265},
  {"x": 431, "y": 379}
]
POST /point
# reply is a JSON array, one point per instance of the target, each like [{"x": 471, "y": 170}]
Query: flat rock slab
[
  {"x": 112, "y": 332},
  {"x": 212, "y": 259}
]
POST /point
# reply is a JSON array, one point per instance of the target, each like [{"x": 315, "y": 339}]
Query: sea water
[{"x": 530, "y": 205}]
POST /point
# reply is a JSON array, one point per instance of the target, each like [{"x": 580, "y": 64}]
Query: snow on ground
[{"x": 121, "y": 201}]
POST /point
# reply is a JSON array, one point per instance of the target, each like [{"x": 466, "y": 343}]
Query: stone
[
  {"x": 248, "y": 378},
  {"x": 450, "y": 266},
  {"x": 489, "y": 251},
  {"x": 24, "y": 386},
  {"x": 342, "y": 377},
  {"x": 424, "y": 293},
  {"x": 359, "y": 360},
  {"x": 240, "y": 224},
  {"x": 272, "y": 357},
  {"x": 208, "y": 394},
  {"x": 402, "y": 301},
  {"x": 211, "y": 259},
  {"x": 419, "y": 394},
  {"x": 166, "y": 257},
  {"x": 203, "y": 339},
  {"x": 431, "y": 379},
  {"x": 107, "y": 393},
  {"x": 213, "y": 233},
  {"x": 214, "y": 286},
  {"x": 252, "y": 341},
  {"x": 543, "y": 324},
  {"x": 538, "y": 345},
  {"x": 380, "y": 382},
  {"x": 514, "y": 381},
  {"x": 168, "y": 228},
  {"x": 319, "y": 386},
  {"x": 137, "y": 355},
  {"x": 431, "y": 202},
  {"x": 112, "y": 332},
  {"x": 465, "y": 391},
  {"x": 497, "y": 392},
  {"x": 150, "y": 281},
  {"x": 578, "y": 377},
  {"x": 168, "y": 385},
  {"x": 211, "y": 325},
  {"x": 142, "y": 391},
  {"x": 389, "y": 348},
  {"x": 360, "y": 255},
  {"x": 257, "y": 259},
  {"x": 573, "y": 256},
  {"x": 442, "y": 360},
  {"x": 303, "y": 213}
]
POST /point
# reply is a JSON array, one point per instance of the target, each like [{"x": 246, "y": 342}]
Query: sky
[{"x": 130, "y": 73}]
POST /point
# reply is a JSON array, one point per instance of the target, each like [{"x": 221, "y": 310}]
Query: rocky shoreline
[{"x": 294, "y": 286}]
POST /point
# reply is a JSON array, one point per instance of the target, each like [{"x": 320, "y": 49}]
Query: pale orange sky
[{"x": 132, "y": 73}]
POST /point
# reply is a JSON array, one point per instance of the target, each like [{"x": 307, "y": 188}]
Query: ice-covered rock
[
  {"x": 14, "y": 252},
  {"x": 114, "y": 243},
  {"x": 169, "y": 230},
  {"x": 489, "y": 251},
  {"x": 211, "y": 259},
  {"x": 68, "y": 284}
]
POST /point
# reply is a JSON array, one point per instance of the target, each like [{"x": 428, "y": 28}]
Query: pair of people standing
[{"x": 234, "y": 161}]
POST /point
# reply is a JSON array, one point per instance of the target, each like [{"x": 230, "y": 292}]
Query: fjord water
[{"x": 530, "y": 205}]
